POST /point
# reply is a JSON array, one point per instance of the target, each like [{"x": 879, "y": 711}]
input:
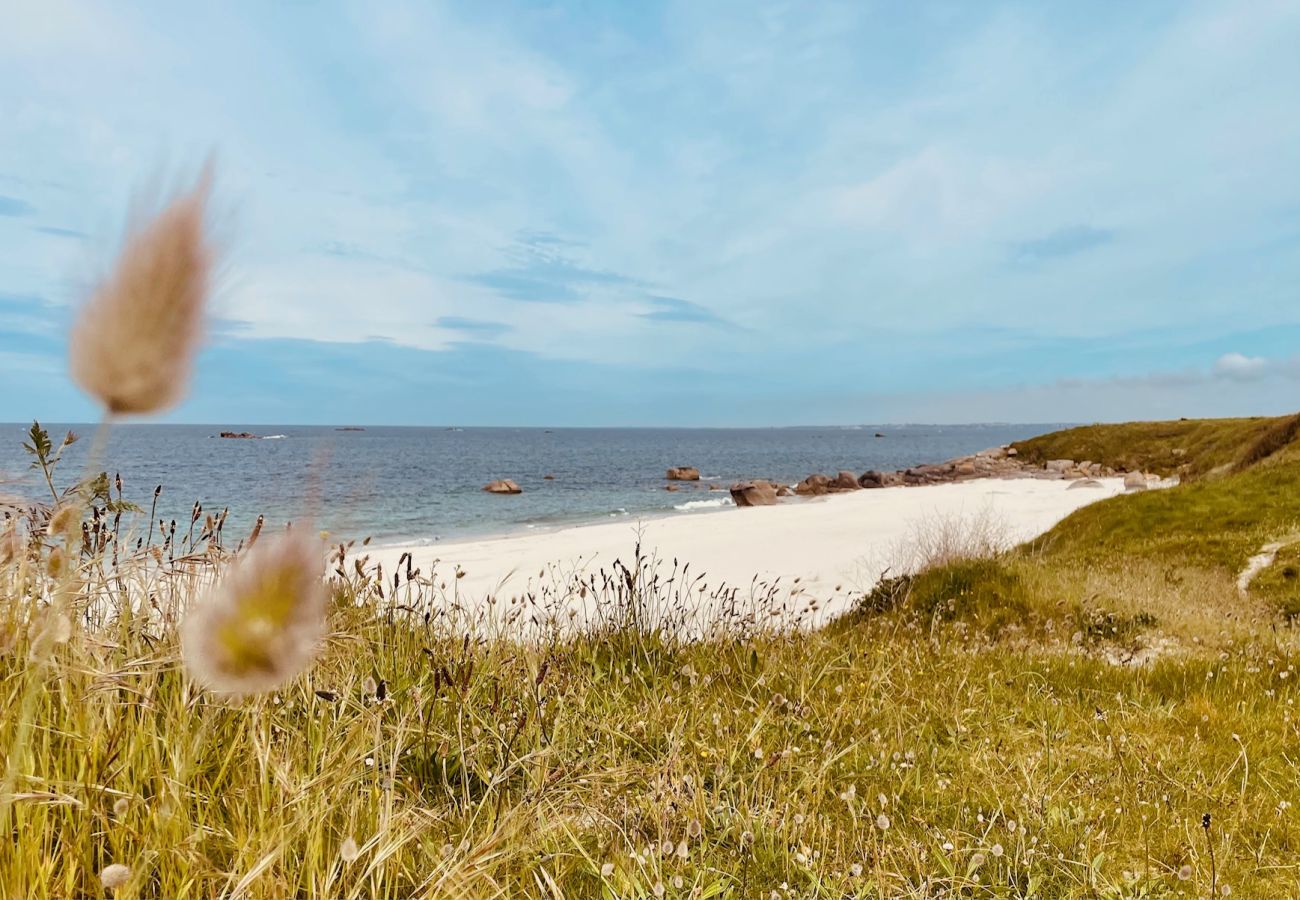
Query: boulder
[
  {"x": 502, "y": 486},
  {"x": 1059, "y": 465},
  {"x": 1012, "y": 451},
  {"x": 754, "y": 493},
  {"x": 1135, "y": 481},
  {"x": 965, "y": 469},
  {"x": 548, "y": 478},
  {"x": 683, "y": 473},
  {"x": 1085, "y": 483},
  {"x": 813, "y": 486},
  {"x": 871, "y": 479},
  {"x": 784, "y": 490},
  {"x": 844, "y": 481},
  {"x": 239, "y": 435},
  {"x": 671, "y": 487}
]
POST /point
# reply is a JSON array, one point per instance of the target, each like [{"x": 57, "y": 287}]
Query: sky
[{"x": 664, "y": 213}]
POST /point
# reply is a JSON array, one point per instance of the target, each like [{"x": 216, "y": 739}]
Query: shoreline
[{"x": 813, "y": 554}]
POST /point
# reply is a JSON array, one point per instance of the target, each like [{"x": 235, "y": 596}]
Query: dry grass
[{"x": 1000, "y": 763}]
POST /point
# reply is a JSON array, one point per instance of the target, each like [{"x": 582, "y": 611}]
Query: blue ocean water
[{"x": 425, "y": 484}]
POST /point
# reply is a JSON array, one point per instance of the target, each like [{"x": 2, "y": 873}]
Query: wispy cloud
[
  {"x": 1061, "y": 243},
  {"x": 671, "y": 309},
  {"x": 547, "y": 272},
  {"x": 12, "y": 206},
  {"x": 477, "y": 328}
]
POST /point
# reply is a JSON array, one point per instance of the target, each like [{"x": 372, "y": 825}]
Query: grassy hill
[{"x": 1054, "y": 721}]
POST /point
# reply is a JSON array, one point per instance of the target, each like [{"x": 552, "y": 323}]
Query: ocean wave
[
  {"x": 274, "y": 437},
  {"x": 715, "y": 503}
]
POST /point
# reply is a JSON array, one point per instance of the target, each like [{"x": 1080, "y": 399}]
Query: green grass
[
  {"x": 971, "y": 730},
  {"x": 1189, "y": 448}
]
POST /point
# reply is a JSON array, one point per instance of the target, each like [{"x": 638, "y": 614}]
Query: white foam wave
[
  {"x": 715, "y": 503},
  {"x": 274, "y": 437}
]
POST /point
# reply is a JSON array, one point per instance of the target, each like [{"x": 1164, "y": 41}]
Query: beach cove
[{"x": 819, "y": 552}]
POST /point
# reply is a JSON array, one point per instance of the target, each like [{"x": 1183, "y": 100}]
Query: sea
[{"x": 423, "y": 485}]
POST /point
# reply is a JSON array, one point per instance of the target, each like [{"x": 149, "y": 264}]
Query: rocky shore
[{"x": 997, "y": 462}]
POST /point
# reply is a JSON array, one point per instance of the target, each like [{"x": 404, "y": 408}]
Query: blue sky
[{"x": 742, "y": 213}]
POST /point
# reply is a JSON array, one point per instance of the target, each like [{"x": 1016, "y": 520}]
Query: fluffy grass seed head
[
  {"x": 115, "y": 875},
  {"x": 134, "y": 341},
  {"x": 263, "y": 623}
]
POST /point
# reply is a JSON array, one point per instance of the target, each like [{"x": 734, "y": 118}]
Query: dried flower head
[
  {"x": 114, "y": 876},
  {"x": 66, "y": 522},
  {"x": 134, "y": 341},
  {"x": 349, "y": 851},
  {"x": 262, "y": 625}
]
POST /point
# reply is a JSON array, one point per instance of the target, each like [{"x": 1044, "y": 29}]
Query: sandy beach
[{"x": 820, "y": 551}]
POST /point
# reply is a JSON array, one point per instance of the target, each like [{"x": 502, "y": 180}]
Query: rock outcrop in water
[
  {"x": 502, "y": 486},
  {"x": 239, "y": 435},
  {"x": 683, "y": 473}
]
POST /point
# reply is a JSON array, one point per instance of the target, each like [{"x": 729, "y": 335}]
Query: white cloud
[{"x": 1240, "y": 367}]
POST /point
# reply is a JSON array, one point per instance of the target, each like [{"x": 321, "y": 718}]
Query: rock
[
  {"x": 966, "y": 469},
  {"x": 671, "y": 487},
  {"x": 754, "y": 493},
  {"x": 1059, "y": 465},
  {"x": 844, "y": 481},
  {"x": 548, "y": 478},
  {"x": 1012, "y": 451},
  {"x": 239, "y": 435},
  {"x": 871, "y": 479},
  {"x": 878, "y": 434},
  {"x": 783, "y": 490},
  {"x": 502, "y": 486},
  {"x": 1135, "y": 481},
  {"x": 813, "y": 486},
  {"x": 715, "y": 487},
  {"x": 683, "y": 473},
  {"x": 1085, "y": 483}
]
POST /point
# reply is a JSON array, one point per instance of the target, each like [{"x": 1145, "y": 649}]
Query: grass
[
  {"x": 977, "y": 728},
  {"x": 1188, "y": 448}
]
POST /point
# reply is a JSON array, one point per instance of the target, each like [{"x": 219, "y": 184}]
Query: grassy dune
[{"x": 1055, "y": 721}]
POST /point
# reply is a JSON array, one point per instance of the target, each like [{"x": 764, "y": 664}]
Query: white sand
[{"x": 824, "y": 549}]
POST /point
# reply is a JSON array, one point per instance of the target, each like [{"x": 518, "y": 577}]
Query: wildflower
[
  {"x": 678, "y": 882},
  {"x": 856, "y": 870},
  {"x": 682, "y": 850},
  {"x": 134, "y": 341},
  {"x": 1185, "y": 872},
  {"x": 658, "y": 889},
  {"x": 114, "y": 876},
  {"x": 746, "y": 838},
  {"x": 882, "y": 822},
  {"x": 607, "y": 870},
  {"x": 977, "y": 860},
  {"x": 349, "y": 851},
  {"x": 262, "y": 624},
  {"x": 849, "y": 793},
  {"x": 694, "y": 829},
  {"x": 997, "y": 850},
  {"x": 120, "y": 807}
]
